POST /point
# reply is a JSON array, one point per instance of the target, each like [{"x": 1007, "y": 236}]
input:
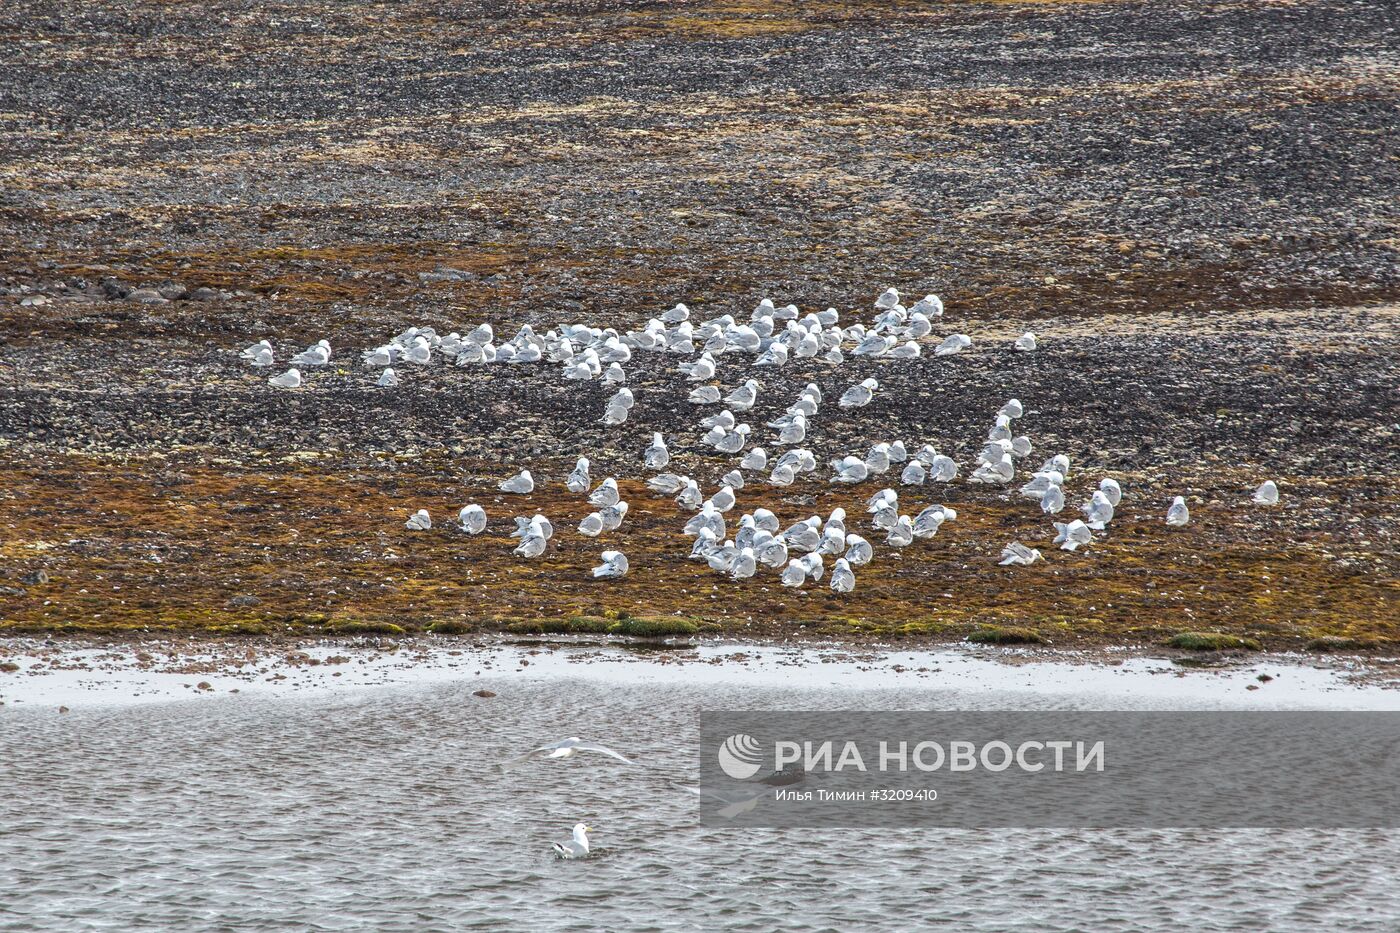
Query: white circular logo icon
[{"x": 739, "y": 756}]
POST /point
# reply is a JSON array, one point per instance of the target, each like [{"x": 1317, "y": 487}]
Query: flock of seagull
[
  {"x": 800, "y": 552},
  {"x": 771, "y": 337}
]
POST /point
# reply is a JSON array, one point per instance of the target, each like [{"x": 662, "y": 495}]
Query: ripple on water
[{"x": 383, "y": 811}]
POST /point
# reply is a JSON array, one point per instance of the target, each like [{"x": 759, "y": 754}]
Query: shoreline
[{"x": 95, "y": 673}]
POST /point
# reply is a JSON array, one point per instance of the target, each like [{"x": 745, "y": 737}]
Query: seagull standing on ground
[
  {"x": 614, "y": 565},
  {"x": 1178, "y": 515},
  {"x": 473, "y": 519},
  {"x": 657, "y": 456},
  {"x": 1019, "y": 555},
  {"x": 521, "y": 483},
  {"x": 579, "y": 480},
  {"x": 858, "y": 396}
]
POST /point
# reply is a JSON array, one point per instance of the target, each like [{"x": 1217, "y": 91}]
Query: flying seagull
[{"x": 564, "y": 748}]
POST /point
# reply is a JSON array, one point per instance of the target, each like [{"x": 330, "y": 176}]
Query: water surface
[{"x": 380, "y": 809}]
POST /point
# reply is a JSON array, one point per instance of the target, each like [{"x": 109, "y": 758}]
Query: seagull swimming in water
[{"x": 577, "y": 847}]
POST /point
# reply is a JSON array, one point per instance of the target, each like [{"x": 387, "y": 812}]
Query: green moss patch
[
  {"x": 1213, "y": 641},
  {"x": 1003, "y": 635},
  {"x": 660, "y": 627}
]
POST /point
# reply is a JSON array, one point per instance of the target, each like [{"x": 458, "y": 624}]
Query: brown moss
[{"x": 325, "y": 549}]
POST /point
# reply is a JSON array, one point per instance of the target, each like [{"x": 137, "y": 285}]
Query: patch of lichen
[{"x": 164, "y": 544}]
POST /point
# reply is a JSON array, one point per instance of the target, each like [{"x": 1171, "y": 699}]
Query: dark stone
[
  {"x": 246, "y": 601},
  {"x": 147, "y": 296},
  {"x": 114, "y": 289},
  {"x": 484, "y": 694},
  {"x": 35, "y": 578}
]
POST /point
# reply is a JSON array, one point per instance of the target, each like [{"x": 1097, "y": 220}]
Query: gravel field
[{"x": 1193, "y": 205}]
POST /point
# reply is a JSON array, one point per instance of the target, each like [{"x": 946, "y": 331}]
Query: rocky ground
[{"x": 1193, "y": 205}]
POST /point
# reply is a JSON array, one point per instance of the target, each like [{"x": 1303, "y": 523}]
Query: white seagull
[
  {"x": 657, "y": 456},
  {"x": 1019, "y": 555},
  {"x": 521, "y": 482},
  {"x": 577, "y": 847},
  {"x": 1178, "y": 515},
  {"x": 473, "y": 519},
  {"x": 858, "y": 396},
  {"x": 1070, "y": 537},
  {"x": 579, "y": 480},
  {"x": 843, "y": 580},
  {"x": 291, "y": 379},
  {"x": 614, "y": 565},
  {"x": 564, "y": 748}
]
